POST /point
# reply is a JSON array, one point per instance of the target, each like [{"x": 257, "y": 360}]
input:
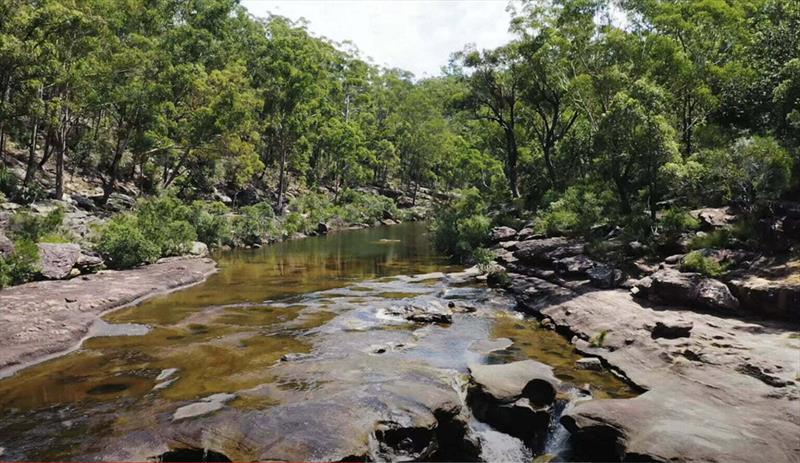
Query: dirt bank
[{"x": 38, "y": 320}]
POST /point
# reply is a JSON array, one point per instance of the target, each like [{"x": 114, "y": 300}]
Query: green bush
[
  {"x": 483, "y": 259},
  {"x": 124, "y": 245},
  {"x": 21, "y": 266},
  {"x": 574, "y": 213},
  {"x": 462, "y": 226},
  {"x": 675, "y": 221},
  {"x": 33, "y": 227},
  {"x": 254, "y": 223},
  {"x": 164, "y": 221},
  {"x": 498, "y": 279},
  {"x": 695, "y": 261},
  {"x": 357, "y": 207},
  {"x": 211, "y": 222}
]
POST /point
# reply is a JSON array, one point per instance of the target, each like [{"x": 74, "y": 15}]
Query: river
[{"x": 290, "y": 352}]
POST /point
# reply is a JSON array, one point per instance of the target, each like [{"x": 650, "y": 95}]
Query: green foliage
[
  {"x": 498, "y": 279},
  {"x": 484, "y": 259},
  {"x": 124, "y": 245},
  {"x": 462, "y": 226},
  {"x": 254, "y": 224},
  {"x": 357, "y": 207},
  {"x": 22, "y": 265},
  {"x": 675, "y": 221},
  {"x": 574, "y": 213},
  {"x": 163, "y": 220},
  {"x": 33, "y": 227},
  {"x": 211, "y": 222},
  {"x": 696, "y": 261}
]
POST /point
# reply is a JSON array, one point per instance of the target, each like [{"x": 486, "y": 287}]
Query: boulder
[
  {"x": 545, "y": 251},
  {"x": 404, "y": 202},
  {"x": 711, "y": 218},
  {"x": 388, "y": 222},
  {"x": 777, "y": 297},
  {"x": 575, "y": 266},
  {"x": 526, "y": 233},
  {"x": 502, "y": 234},
  {"x": 205, "y": 406},
  {"x": 669, "y": 286},
  {"x": 428, "y": 312},
  {"x": 6, "y": 246},
  {"x": 323, "y": 228},
  {"x": 247, "y": 197},
  {"x": 198, "y": 248},
  {"x": 514, "y": 398},
  {"x": 589, "y": 363},
  {"x": 604, "y": 276},
  {"x": 57, "y": 259},
  {"x": 88, "y": 263}
]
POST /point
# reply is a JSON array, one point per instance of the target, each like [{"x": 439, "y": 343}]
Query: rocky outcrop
[
  {"x": 58, "y": 261},
  {"x": 6, "y": 246},
  {"x": 604, "y": 276},
  {"x": 775, "y": 297},
  {"x": 669, "y": 286},
  {"x": 711, "y": 218},
  {"x": 429, "y": 312},
  {"x": 499, "y": 234},
  {"x": 514, "y": 398},
  {"x": 545, "y": 251}
]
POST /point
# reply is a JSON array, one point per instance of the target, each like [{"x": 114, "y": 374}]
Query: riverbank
[
  {"x": 721, "y": 384},
  {"x": 48, "y": 318}
]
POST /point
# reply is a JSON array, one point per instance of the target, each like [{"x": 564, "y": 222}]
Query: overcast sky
[{"x": 415, "y": 35}]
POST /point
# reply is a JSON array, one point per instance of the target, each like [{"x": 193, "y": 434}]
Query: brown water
[{"x": 319, "y": 296}]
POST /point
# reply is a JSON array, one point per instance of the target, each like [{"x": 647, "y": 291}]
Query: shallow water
[{"x": 324, "y": 297}]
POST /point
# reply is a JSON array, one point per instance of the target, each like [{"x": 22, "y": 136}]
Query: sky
[{"x": 415, "y": 35}]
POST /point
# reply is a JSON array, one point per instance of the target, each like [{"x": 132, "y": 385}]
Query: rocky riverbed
[
  {"x": 721, "y": 380},
  {"x": 47, "y": 318}
]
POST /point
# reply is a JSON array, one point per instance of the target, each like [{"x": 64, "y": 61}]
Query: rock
[
  {"x": 6, "y": 246},
  {"x": 166, "y": 374},
  {"x": 57, "y": 259},
  {"x": 205, "y": 406},
  {"x": 198, "y": 248},
  {"x": 575, "y": 267},
  {"x": 711, "y": 218},
  {"x": 323, "y": 228},
  {"x": 526, "y": 233},
  {"x": 221, "y": 197},
  {"x": 502, "y": 234},
  {"x": 247, "y": 197},
  {"x": 83, "y": 202},
  {"x": 430, "y": 312},
  {"x": 635, "y": 248},
  {"x": 498, "y": 279},
  {"x": 714, "y": 294},
  {"x": 589, "y": 363},
  {"x": 674, "y": 259},
  {"x": 120, "y": 201},
  {"x": 404, "y": 202},
  {"x": 388, "y": 222},
  {"x": 670, "y": 286},
  {"x": 604, "y": 276},
  {"x": 545, "y": 251},
  {"x": 776, "y": 297},
  {"x": 487, "y": 346},
  {"x": 514, "y": 398},
  {"x": 672, "y": 330}
]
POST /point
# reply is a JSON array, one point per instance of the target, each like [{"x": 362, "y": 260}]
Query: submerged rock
[
  {"x": 205, "y": 406},
  {"x": 429, "y": 312}
]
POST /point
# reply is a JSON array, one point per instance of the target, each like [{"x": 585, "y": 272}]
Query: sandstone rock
[
  {"x": 604, "y": 276},
  {"x": 199, "y": 249},
  {"x": 57, "y": 259},
  {"x": 388, "y": 222},
  {"x": 575, "y": 267},
  {"x": 545, "y": 251},
  {"x": 514, "y": 398},
  {"x": 777, "y": 297},
  {"x": 525, "y": 233},
  {"x": 205, "y": 406},
  {"x": 589, "y": 363},
  {"x": 6, "y": 246},
  {"x": 711, "y": 218},
  {"x": 404, "y": 202},
  {"x": 502, "y": 234},
  {"x": 429, "y": 312},
  {"x": 670, "y": 286}
]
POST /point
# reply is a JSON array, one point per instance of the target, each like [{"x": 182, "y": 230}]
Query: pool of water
[{"x": 322, "y": 297}]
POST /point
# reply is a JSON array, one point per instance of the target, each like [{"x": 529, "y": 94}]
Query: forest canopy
[{"x": 579, "y": 119}]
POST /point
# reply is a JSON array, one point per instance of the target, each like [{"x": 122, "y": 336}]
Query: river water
[{"x": 295, "y": 338}]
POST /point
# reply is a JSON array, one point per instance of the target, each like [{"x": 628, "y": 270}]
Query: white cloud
[{"x": 416, "y": 35}]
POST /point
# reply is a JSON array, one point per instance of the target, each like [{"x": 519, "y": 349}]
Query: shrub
[
  {"x": 164, "y": 221},
  {"x": 695, "y": 261},
  {"x": 357, "y": 207},
  {"x": 254, "y": 224},
  {"x": 21, "y": 266},
  {"x": 33, "y": 227},
  {"x": 124, "y": 245},
  {"x": 210, "y": 222},
  {"x": 462, "y": 226},
  {"x": 760, "y": 169},
  {"x": 574, "y": 213},
  {"x": 675, "y": 221},
  {"x": 498, "y": 279},
  {"x": 483, "y": 259}
]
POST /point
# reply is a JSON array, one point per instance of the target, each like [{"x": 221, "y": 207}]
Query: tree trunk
[
  {"x": 281, "y": 181},
  {"x": 30, "y": 169},
  {"x": 108, "y": 187},
  {"x": 511, "y": 163},
  {"x": 60, "y": 166}
]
